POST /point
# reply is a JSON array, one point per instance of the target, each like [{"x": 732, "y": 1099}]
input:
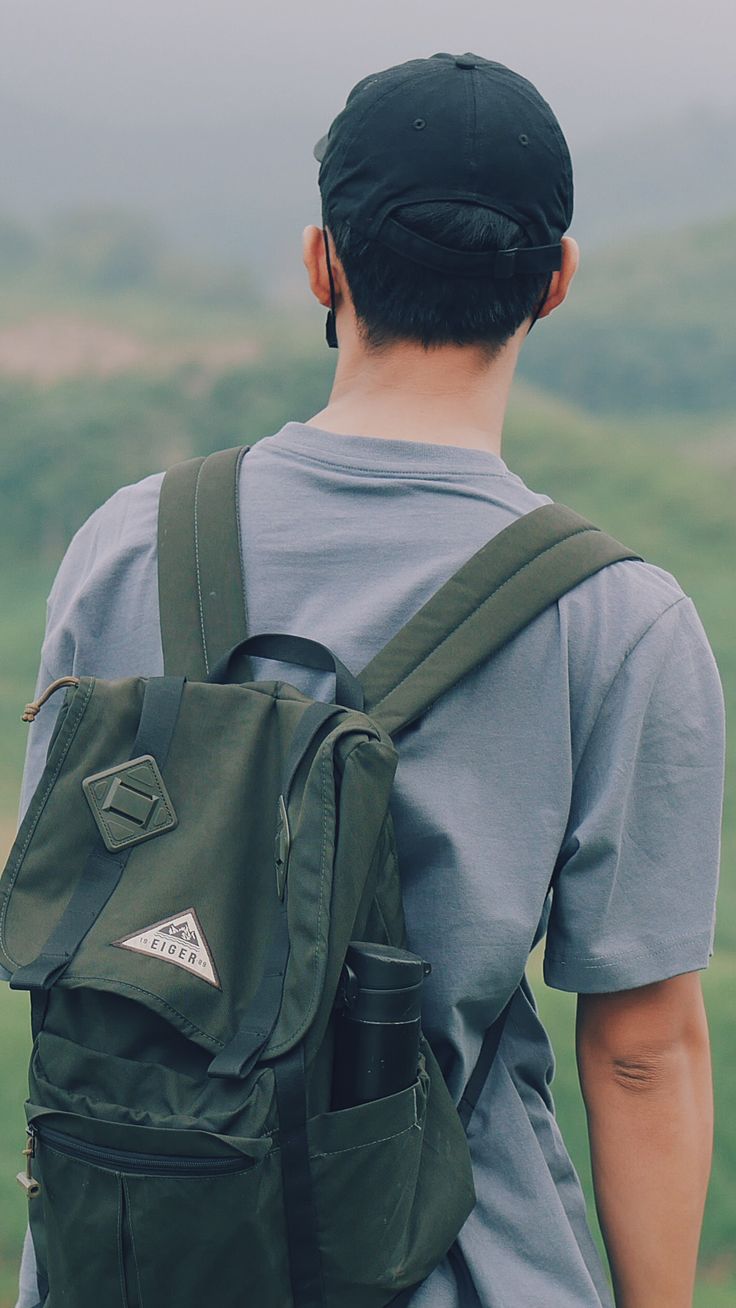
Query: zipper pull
[
  {"x": 282, "y": 846},
  {"x": 26, "y": 1179}
]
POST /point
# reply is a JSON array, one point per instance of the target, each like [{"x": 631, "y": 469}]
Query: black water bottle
[{"x": 377, "y": 1023}]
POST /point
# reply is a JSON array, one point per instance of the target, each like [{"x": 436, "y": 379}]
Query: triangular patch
[{"x": 179, "y": 940}]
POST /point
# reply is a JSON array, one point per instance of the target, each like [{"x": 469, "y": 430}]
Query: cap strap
[
  {"x": 331, "y": 323},
  {"x": 468, "y": 263},
  {"x": 528, "y": 259},
  {"x": 541, "y": 303}
]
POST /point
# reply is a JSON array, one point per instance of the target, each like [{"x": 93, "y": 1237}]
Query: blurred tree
[
  {"x": 227, "y": 286},
  {"x": 105, "y": 249},
  {"x": 19, "y": 246},
  {"x": 648, "y": 327}
]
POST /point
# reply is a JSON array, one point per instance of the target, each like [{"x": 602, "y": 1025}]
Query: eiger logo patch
[{"x": 179, "y": 940}]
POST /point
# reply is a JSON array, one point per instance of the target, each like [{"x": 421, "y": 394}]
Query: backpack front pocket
[
  {"x": 138, "y": 1217},
  {"x": 133, "y": 1229}
]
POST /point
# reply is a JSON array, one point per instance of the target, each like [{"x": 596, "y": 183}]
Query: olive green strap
[
  {"x": 499, "y": 591},
  {"x": 489, "y": 600},
  {"x": 200, "y": 571},
  {"x": 181, "y": 636}
]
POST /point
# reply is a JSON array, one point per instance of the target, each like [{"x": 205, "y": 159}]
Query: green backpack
[{"x": 198, "y": 856}]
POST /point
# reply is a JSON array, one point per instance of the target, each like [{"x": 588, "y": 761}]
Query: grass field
[
  {"x": 13, "y": 1204},
  {"x": 649, "y": 492}
]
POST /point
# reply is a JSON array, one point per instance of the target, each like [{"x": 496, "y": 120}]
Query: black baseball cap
[{"x": 450, "y": 127}]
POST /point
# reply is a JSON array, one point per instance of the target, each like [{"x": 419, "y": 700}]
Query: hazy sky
[
  {"x": 206, "y": 61},
  {"x": 204, "y": 114}
]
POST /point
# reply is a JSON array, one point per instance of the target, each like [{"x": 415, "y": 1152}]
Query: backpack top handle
[{"x": 298, "y": 650}]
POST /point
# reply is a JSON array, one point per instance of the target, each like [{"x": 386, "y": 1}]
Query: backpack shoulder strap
[
  {"x": 507, "y": 583},
  {"x": 200, "y": 570},
  {"x": 489, "y": 600}
]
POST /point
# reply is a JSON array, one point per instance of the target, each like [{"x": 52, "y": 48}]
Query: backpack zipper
[{"x": 121, "y": 1160}]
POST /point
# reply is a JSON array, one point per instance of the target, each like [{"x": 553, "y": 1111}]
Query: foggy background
[
  {"x": 204, "y": 115},
  {"x": 157, "y": 172}
]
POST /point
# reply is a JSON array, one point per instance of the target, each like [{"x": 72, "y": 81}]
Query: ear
[
  {"x": 561, "y": 280},
  {"x": 315, "y": 262}
]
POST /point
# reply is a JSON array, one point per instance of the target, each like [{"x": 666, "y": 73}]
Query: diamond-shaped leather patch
[{"x": 130, "y": 803}]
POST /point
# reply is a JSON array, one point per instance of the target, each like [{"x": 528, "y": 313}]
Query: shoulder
[
  {"x": 630, "y": 625},
  {"x": 102, "y": 612},
  {"x": 603, "y": 619},
  {"x": 618, "y": 604},
  {"x": 121, "y": 529},
  {"x": 105, "y": 588},
  {"x": 637, "y": 653}
]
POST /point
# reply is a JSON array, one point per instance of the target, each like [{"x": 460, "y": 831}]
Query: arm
[{"x": 644, "y": 1065}]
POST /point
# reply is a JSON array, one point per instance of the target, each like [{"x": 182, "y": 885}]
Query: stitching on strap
[
  {"x": 239, "y": 464},
  {"x": 196, "y": 561}
]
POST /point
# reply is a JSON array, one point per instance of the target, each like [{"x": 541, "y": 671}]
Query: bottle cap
[{"x": 383, "y": 967}]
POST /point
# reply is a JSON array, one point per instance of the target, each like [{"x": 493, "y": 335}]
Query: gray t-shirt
[{"x": 587, "y": 756}]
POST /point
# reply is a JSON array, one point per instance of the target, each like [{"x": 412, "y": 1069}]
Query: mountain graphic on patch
[
  {"x": 181, "y": 931},
  {"x": 178, "y": 939}
]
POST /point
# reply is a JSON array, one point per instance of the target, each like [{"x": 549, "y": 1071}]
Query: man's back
[{"x": 585, "y": 753}]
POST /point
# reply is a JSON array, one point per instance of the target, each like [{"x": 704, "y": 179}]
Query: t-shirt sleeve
[
  {"x": 58, "y": 657},
  {"x": 102, "y": 613},
  {"x": 634, "y": 890}
]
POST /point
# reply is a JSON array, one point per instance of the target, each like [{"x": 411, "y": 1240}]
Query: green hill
[
  {"x": 673, "y": 171},
  {"x": 649, "y": 327}
]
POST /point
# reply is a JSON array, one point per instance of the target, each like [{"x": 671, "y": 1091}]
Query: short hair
[{"x": 397, "y": 299}]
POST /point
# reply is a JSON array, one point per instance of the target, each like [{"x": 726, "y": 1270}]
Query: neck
[{"x": 451, "y": 395}]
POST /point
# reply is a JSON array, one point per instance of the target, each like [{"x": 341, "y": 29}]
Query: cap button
[{"x": 466, "y": 61}]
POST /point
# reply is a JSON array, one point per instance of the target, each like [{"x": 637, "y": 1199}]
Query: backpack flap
[{"x": 186, "y": 927}]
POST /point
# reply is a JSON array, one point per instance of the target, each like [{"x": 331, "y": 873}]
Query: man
[{"x": 596, "y": 737}]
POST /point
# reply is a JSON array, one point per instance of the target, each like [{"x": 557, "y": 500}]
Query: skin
[
  {"x": 645, "y": 1072},
  {"x": 449, "y": 396},
  {"x": 643, "y": 1055}
]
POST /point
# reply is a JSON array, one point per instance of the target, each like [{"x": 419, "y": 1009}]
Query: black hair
[{"x": 396, "y": 299}]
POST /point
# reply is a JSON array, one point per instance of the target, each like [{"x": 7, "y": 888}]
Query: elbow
[
  {"x": 654, "y": 1070},
  {"x": 643, "y": 1071},
  {"x": 639, "y": 1042}
]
